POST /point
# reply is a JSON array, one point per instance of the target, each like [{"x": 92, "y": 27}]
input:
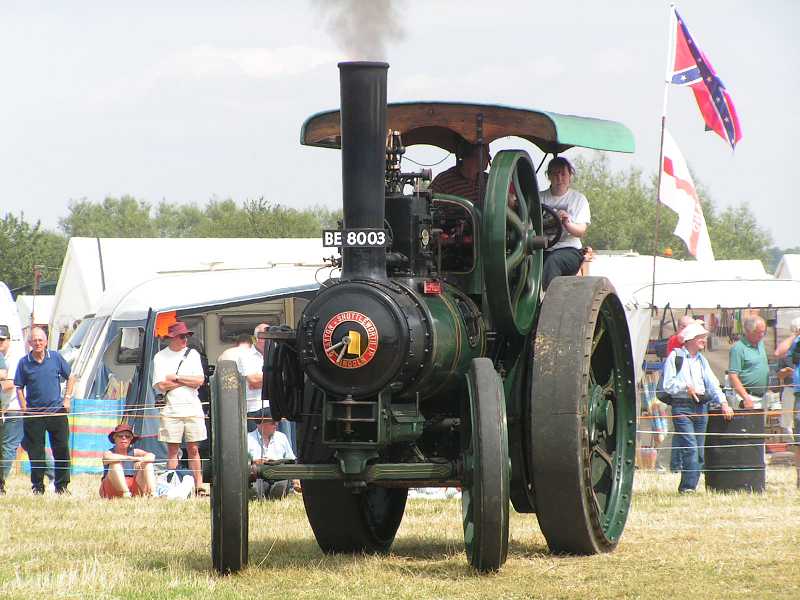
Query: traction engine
[{"x": 435, "y": 360}]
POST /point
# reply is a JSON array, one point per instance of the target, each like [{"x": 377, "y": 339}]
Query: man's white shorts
[{"x": 175, "y": 430}]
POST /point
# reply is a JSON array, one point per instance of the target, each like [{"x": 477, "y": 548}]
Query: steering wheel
[
  {"x": 552, "y": 227},
  {"x": 512, "y": 240}
]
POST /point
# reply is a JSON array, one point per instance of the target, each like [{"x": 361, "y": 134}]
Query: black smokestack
[{"x": 363, "y": 92}]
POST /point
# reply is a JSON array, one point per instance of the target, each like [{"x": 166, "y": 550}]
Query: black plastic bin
[{"x": 734, "y": 454}]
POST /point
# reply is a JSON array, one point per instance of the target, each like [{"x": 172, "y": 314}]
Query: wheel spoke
[
  {"x": 520, "y": 286},
  {"x": 514, "y": 223},
  {"x": 603, "y": 453},
  {"x": 602, "y": 477},
  {"x": 516, "y": 257},
  {"x": 598, "y": 335},
  {"x": 522, "y": 201}
]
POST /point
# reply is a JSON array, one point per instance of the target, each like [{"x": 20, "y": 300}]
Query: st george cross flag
[
  {"x": 677, "y": 192},
  {"x": 689, "y": 66}
]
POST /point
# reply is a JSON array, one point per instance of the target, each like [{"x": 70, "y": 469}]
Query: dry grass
[{"x": 701, "y": 546}]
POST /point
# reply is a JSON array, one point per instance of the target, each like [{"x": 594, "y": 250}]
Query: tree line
[
  {"x": 622, "y": 204},
  {"x": 624, "y": 218},
  {"x": 25, "y": 246}
]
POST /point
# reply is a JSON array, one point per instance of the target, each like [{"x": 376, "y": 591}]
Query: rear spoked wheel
[
  {"x": 583, "y": 417},
  {"x": 485, "y": 490}
]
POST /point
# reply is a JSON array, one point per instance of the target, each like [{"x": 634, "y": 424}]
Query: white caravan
[
  {"x": 94, "y": 268},
  {"x": 114, "y": 364}
]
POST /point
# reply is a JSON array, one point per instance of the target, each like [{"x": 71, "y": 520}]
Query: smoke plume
[{"x": 361, "y": 28}]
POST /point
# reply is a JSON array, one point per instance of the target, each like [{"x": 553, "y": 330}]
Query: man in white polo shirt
[
  {"x": 249, "y": 363},
  {"x": 177, "y": 374}
]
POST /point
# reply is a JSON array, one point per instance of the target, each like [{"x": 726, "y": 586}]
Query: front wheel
[
  {"x": 229, "y": 513},
  {"x": 583, "y": 416},
  {"x": 485, "y": 492},
  {"x": 345, "y": 520}
]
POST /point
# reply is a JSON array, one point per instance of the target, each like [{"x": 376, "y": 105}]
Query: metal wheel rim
[
  {"x": 610, "y": 428},
  {"x": 582, "y": 417}
]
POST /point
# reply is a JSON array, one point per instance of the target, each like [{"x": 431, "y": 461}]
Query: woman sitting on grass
[{"x": 127, "y": 471}]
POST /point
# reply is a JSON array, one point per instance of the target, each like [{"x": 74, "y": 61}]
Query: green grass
[{"x": 702, "y": 546}]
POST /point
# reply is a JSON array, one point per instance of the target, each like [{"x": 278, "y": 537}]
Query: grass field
[{"x": 701, "y": 546}]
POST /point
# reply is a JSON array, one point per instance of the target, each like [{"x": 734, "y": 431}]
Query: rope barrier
[
  {"x": 750, "y": 411},
  {"x": 751, "y": 445},
  {"x": 129, "y": 409},
  {"x": 127, "y": 412},
  {"x": 707, "y": 434},
  {"x": 208, "y": 460}
]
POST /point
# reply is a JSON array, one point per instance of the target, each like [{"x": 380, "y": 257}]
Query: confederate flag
[
  {"x": 691, "y": 67},
  {"x": 678, "y": 192}
]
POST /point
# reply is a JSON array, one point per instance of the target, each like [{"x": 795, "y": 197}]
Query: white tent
[
  {"x": 687, "y": 283},
  {"x": 789, "y": 267},
  {"x": 630, "y": 273},
  {"x": 34, "y": 309},
  {"x": 723, "y": 293},
  {"x": 10, "y": 317},
  {"x": 8, "y": 313},
  {"x": 94, "y": 266}
]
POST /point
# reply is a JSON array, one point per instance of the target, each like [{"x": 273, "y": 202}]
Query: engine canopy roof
[{"x": 447, "y": 124}]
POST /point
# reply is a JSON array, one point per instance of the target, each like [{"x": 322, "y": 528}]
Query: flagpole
[{"x": 667, "y": 78}]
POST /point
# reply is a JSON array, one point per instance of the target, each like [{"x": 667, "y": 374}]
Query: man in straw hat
[
  {"x": 127, "y": 471},
  {"x": 692, "y": 387},
  {"x": 177, "y": 374}
]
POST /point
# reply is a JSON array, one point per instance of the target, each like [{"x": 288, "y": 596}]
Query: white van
[{"x": 114, "y": 365}]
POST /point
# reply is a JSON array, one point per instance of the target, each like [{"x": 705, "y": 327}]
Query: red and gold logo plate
[{"x": 334, "y": 351}]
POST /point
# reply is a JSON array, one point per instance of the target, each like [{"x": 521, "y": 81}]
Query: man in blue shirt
[
  {"x": 38, "y": 380},
  {"x": 691, "y": 388}
]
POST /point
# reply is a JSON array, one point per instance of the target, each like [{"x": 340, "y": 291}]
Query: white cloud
[
  {"x": 255, "y": 63},
  {"x": 206, "y": 63},
  {"x": 614, "y": 61}
]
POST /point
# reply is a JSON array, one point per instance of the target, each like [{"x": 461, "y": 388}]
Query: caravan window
[
  {"x": 76, "y": 339},
  {"x": 106, "y": 385},
  {"x": 89, "y": 343},
  {"x": 129, "y": 350},
  {"x": 232, "y": 325}
]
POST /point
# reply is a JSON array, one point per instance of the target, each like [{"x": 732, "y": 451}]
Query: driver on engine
[
  {"x": 463, "y": 179},
  {"x": 572, "y": 207}
]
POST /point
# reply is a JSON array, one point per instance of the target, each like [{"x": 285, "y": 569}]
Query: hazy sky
[{"x": 185, "y": 101}]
